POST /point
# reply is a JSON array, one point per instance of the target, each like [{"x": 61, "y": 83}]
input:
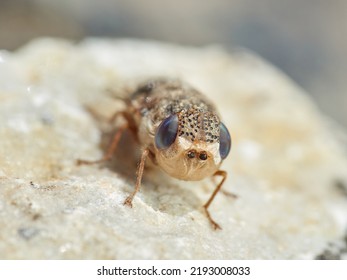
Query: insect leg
[
  {"x": 226, "y": 193},
  {"x": 217, "y": 189},
  {"x": 111, "y": 149},
  {"x": 139, "y": 173}
]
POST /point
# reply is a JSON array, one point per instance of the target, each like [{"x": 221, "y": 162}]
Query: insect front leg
[
  {"x": 226, "y": 193},
  {"x": 139, "y": 174},
  {"x": 217, "y": 189}
]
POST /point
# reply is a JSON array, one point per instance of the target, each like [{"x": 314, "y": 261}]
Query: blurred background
[{"x": 307, "y": 39}]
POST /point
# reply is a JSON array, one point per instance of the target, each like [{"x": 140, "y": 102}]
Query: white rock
[{"x": 284, "y": 166}]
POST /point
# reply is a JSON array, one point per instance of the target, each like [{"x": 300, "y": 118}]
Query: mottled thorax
[{"x": 181, "y": 128}]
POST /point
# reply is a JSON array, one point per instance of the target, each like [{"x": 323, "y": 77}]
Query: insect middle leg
[
  {"x": 217, "y": 189},
  {"x": 111, "y": 149},
  {"x": 129, "y": 124}
]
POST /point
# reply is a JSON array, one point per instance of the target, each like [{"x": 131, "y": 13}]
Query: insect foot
[
  {"x": 129, "y": 201},
  {"x": 213, "y": 223}
]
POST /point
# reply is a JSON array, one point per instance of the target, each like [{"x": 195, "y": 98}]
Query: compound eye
[
  {"x": 166, "y": 132},
  {"x": 224, "y": 141}
]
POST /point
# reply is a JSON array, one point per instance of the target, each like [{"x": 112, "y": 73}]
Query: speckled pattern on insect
[{"x": 179, "y": 129}]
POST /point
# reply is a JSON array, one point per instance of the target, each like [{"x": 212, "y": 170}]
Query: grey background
[{"x": 307, "y": 39}]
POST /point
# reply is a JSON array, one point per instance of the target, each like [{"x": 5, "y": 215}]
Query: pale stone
[{"x": 285, "y": 165}]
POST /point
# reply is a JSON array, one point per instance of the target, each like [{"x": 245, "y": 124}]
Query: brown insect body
[
  {"x": 198, "y": 128},
  {"x": 179, "y": 129}
]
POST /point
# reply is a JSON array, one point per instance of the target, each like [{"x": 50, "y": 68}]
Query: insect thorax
[{"x": 198, "y": 119}]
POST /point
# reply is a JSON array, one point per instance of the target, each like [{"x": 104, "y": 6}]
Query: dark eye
[
  {"x": 166, "y": 132},
  {"x": 225, "y": 141},
  {"x": 191, "y": 154},
  {"x": 203, "y": 156}
]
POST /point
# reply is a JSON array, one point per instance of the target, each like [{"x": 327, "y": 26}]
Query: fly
[{"x": 179, "y": 129}]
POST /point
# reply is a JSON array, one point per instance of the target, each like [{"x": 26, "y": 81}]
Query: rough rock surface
[{"x": 287, "y": 165}]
